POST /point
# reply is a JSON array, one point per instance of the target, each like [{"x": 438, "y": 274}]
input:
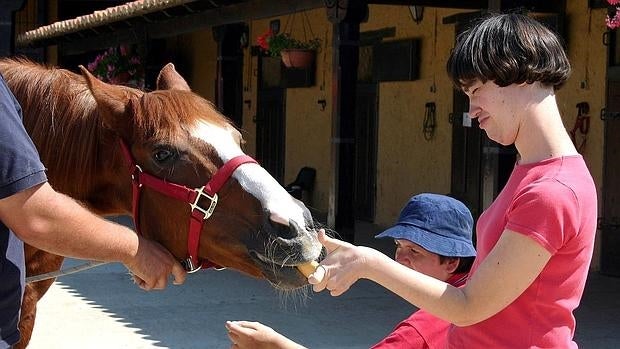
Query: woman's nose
[{"x": 474, "y": 110}]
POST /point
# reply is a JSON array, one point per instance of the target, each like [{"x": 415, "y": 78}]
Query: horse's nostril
[{"x": 290, "y": 230}]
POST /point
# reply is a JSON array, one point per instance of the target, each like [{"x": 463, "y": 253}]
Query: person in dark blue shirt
[{"x": 32, "y": 212}]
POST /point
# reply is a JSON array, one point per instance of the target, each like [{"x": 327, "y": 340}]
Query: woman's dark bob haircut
[{"x": 508, "y": 49}]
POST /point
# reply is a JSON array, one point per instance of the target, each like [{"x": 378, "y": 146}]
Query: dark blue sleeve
[
  {"x": 20, "y": 168},
  {"x": 20, "y": 165}
]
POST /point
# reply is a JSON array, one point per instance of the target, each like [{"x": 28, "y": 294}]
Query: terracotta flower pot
[{"x": 298, "y": 58}]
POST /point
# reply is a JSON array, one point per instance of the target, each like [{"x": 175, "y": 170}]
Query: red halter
[{"x": 198, "y": 215}]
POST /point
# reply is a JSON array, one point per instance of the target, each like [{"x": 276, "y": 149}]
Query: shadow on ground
[
  {"x": 193, "y": 315},
  {"x": 101, "y": 308}
]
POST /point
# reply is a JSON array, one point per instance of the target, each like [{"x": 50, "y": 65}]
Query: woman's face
[
  {"x": 496, "y": 109},
  {"x": 419, "y": 259}
]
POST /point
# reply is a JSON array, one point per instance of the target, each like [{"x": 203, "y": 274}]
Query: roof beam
[
  {"x": 144, "y": 29},
  {"x": 532, "y": 5}
]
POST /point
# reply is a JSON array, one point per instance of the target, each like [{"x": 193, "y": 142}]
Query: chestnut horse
[{"x": 80, "y": 126}]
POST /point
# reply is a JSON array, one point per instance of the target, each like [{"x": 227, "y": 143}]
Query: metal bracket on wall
[{"x": 605, "y": 115}]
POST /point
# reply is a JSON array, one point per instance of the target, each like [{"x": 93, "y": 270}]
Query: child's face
[{"x": 419, "y": 259}]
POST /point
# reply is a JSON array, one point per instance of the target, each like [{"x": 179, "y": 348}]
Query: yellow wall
[
  {"x": 199, "y": 49},
  {"x": 308, "y": 129},
  {"x": 407, "y": 163},
  {"x": 588, "y": 57}
]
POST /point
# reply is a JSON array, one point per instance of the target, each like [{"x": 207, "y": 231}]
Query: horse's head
[{"x": 178, "y": 137}]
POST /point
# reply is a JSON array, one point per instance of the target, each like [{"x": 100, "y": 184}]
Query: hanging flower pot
[{"x": 298, "y": 58}]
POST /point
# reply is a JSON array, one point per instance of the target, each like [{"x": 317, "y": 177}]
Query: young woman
[{"x": 535, "y": 241}]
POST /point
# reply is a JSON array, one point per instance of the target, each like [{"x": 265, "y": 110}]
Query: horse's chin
[{"x": 284, "y": 277}]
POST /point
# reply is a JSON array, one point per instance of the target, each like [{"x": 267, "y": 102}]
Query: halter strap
[{"x": 198, "y": 214}]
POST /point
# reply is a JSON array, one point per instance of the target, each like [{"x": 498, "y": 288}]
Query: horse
[{"x": 168, "y": 158}]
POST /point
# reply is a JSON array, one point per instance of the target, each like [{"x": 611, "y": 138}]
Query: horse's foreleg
[{"x": 37, "y": 262}]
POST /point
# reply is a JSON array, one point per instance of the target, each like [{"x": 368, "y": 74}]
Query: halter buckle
[
  {"x": 209, "y": 211},
  {"x": 135, "y": 175},
  {"x": 189, "y": 266}
]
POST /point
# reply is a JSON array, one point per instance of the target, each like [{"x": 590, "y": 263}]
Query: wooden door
[
  {"x": 609, "y": 223},
  {"x": 467, "y": 140},
  {"x": 364, "y": 192},
  {"x": 229, "y": 91},
  {"x": 270, "y": 117}
]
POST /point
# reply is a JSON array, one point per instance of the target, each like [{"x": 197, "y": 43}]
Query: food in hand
[{"x": 308, "y": 268}]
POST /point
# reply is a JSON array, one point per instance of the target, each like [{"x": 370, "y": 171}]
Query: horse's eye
[{"x": 162, "y": 155}]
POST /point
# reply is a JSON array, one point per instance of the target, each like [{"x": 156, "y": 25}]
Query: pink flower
[
  {"x": 119, "y": 65},
  {"x": 613, "y": 2},
  {"x": 613, "y": 23}
]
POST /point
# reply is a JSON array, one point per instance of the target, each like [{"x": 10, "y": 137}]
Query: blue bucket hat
[{"x": 438, "y": 223}]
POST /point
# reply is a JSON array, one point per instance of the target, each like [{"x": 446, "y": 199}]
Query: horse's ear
[
  {"x": 112, "y": 101},
  {"x": 170, "y": 79}
]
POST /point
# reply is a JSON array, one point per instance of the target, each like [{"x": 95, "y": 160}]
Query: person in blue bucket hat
[{"x": 433, "y": 235}]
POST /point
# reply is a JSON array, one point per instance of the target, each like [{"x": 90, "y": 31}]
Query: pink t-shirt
[{"x": 553, "y": 202}]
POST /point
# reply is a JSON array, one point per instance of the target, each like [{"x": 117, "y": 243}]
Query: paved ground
[{"x": 101, "y": 308}]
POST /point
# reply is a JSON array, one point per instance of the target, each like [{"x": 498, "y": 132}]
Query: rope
[
  {"x": 62, "y": 272},
  {"x": 305, "y": 14}
]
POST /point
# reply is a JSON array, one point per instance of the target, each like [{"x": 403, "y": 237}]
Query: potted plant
[
  {"x": 295, "y": 53},
  {"x": 119, "y": 65}
]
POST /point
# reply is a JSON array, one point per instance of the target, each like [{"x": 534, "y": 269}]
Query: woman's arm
[{"x": 508, "y": 270}]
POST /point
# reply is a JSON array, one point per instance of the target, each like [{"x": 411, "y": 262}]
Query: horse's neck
[{"x": 61, "y": 117}]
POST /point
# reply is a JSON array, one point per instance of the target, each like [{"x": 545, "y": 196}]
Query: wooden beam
[
  {"x": 493, "y": 5},
  {"x": 459, "y": 4},
  {"x": 241, "y": 12}
]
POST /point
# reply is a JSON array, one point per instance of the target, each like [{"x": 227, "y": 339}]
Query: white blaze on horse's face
[{"x": 253, "y": 178}]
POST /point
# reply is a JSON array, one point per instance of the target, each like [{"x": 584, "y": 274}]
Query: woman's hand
[{"x": 343, "y": 266}]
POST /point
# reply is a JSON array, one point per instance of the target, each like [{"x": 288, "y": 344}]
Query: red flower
[{"x": 263, "y": 40}]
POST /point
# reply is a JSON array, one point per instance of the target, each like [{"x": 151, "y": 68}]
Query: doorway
[
  {"x": 365, "y": 187},
  {"x": 229, "y": 89},
  {"x": 270, "y": 117},
  {"x": 610, "y": 222}
]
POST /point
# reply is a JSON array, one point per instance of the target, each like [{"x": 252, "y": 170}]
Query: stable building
[{"x": 374, "y": 114}]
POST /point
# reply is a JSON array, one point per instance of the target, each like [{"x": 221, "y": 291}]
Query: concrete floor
[{"x": 101, "y": 308}]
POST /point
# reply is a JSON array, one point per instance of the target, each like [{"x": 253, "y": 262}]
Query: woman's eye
[{"x": 162, "y": 155}]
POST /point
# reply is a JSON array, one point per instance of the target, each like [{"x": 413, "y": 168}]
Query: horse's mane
[{"x": 60, "y": 117}]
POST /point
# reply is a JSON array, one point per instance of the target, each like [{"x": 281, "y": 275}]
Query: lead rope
[{"x": 63, "y": 272}]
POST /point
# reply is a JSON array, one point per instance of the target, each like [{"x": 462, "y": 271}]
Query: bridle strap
[{"x": 198, "y": 215}]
